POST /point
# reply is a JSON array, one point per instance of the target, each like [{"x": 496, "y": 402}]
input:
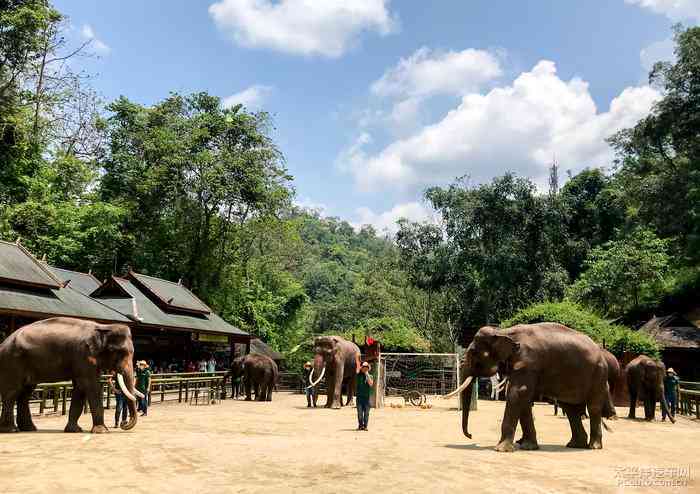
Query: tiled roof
[
  {"x": 83, "y": 282},
  {"x": 19, "y": 267},
  {"x": 258, "y": 346},
  {"x": 670, "y": 335},
  {"x": 134, "y": 304},
  {"x": 172, "y": 295}
]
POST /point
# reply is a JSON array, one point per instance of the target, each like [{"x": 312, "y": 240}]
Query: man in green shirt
[
  {"x": 364, "y": 388},
  {"x": 143, "y": 384}
]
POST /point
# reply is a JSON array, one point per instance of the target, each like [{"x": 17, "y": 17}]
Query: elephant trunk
[
  {"x": 664, "y": 404},
  {"x": 129, "y": 389},
  {"x": 466, "y": 398}
]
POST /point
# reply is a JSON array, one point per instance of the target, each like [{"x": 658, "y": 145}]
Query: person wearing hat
[
  {"x": 143, "y": 384},
  {"x": 671, "y": 391},
  {"x": 364, "y": 383},
  {"x": 311, "y": 395}
]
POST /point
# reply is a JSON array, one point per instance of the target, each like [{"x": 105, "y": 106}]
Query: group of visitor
[{"x": 204, "y": 364}]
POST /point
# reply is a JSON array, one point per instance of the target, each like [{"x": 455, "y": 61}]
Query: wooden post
[
  {"x": 56, "y": 390},
  {"x": 64, "y": 396},
  {"x": 162, "y": 393},
  {"x": 187, "y": 390},
  {"x": 42, "y": 403},
  {"x": 179, "y": 392}
]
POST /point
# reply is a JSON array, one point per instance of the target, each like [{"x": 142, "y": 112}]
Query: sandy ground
[{"x": 282, "y": 446}]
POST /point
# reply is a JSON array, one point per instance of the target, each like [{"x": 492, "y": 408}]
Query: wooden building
[
  {"x": 679, "y": 338},
  {"x": 168, "y": 321}
]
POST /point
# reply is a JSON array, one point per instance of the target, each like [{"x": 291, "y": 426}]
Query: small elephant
[
  {"x": 545, "y": 359},
  {"x": 259, "y": 374},
  {"x": 339, "y": 360},
  {"x": 645, "y": 380},
  {"x": 613, "y": 376},
  {"x": 65, "y": 349}
]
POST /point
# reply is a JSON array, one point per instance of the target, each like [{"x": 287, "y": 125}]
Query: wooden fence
[{"x": 689, "y": 399}]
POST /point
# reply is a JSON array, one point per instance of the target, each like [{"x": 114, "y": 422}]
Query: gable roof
[
  {"x": 85, "y": 283},
  {"x": 19, "y": 267},
  {"x": 169, "y": 295},
  {"x": 673, "y": 331},
  {"x": 124, "y": 296}
]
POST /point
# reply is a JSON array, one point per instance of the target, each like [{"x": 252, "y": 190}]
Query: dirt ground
[{"x": 282, "y": 446}]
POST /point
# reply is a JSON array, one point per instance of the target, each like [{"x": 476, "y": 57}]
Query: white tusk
[
  {"x": 139, "y": 394},
  {"x": 124, "y": 389},
  {"x": 323, "y": 372},
  {"x": 501, "y": 385},
  {"x": 460, "y": 389}
]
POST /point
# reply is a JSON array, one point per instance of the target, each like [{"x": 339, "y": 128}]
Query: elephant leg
[
  {"x": 330, "y": 391},
  {"x": 247, "y": 390},
  {"x": 579, "y": 438},
  {"x": 527, "y": 424},
  {"x": 337, "y": 389},
  {"x": 7, "y": 420},
  {"x": 518, "y": 397},
  {"x": 24, "y": 415},
  {"x": 93, "y": 393},
  {"x": 633, "y": 403},
  {"x": 649, "y": 409},
  {"x": 270, "y": 386},
  {"x": 77, "y": 402},
  {"x": 351, "y": 391}
]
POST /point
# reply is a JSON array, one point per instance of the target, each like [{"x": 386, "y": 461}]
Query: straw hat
[
  {"x": 142, "y": 363},
  {"x": 670, "y": 371},
  {"x": 365, "y": 364},
  {"x": 307, "y": 364}
]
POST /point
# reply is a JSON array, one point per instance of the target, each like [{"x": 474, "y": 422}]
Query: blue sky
[{"x": 374, "y": 100}]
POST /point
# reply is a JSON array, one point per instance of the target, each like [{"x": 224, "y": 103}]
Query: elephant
[
  {"x": 259, "y": 374},
  {"x": 613, "y": 376},
  {"x": 645, "y": 380},
  {"x": 545, "y": 359},
  {"x": 65, "y": 349},
  {"x": 339, "y": 360}
]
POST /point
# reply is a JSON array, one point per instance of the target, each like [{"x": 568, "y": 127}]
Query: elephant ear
[{"x": 505, "y": 347}]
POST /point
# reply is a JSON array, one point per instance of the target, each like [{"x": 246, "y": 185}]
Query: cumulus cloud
[
  {"x": 252, "y": 97},
  {"x": 427, "y": 72},
  {"x": 385, "y": 222},
  {"x": 88, "y": 33},
  {"x": 302, "y": 27},
  {"x": 311, "y": 205},
  {"x": 519, "y": 127},
  {"x": 676, "y": 10}
]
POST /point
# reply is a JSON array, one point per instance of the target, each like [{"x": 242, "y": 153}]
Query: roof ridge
[
  {"x": 180, "y": 285},
  {"x": 96, "y": 300},
  {"x": 38, "y": 263}
]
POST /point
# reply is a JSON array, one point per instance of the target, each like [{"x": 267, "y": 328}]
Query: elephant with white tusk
[
  {"x": 65, "y": 349},
  {"x": 338, "y": 360},
  {"x": 544, "y": 359}
]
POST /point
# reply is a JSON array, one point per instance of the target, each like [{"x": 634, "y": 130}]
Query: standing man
[
  {"x": 494, "y": 386},
  {"x": 211, "y": 364},
  {"x": 310, "y": 391},
  {"x": 671, "y": 391},
  {"x": 364, "y": 387},
  {"x": 143, "y": 384},
  {"x": 121, "y": 408}
]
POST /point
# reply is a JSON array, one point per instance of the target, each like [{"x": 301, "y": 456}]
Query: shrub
[{"x": 616, "y": 338}]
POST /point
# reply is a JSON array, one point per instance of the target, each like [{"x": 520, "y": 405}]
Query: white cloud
[
  {"x": 252, "y": 97},
  {"x": 303, "y": 27},
  {"x": 310, "y": 204},
  {"x": 88, "y": 33},
  {"x": 428, "y": 72},
  {"x": 519, "y": 127},
  {"x": 676, "y": 10},
  {"x": 386, "y": 221}
]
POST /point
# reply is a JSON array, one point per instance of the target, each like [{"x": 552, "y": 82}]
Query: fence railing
[
  {"x": 689, "y": 399},
  {"x": 56, "y": 397}
]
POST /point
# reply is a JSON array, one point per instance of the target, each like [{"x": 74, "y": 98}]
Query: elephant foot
[
  {"x": 597, "y": 444},
  {"x": 6, "y": 428},
  {"x": 99, "y": 429},
  {"x": 30, "y": 427},
  {"x": 580, "y": 443},
  {"x": 247, "y": 398},
  {"x": 528, "y": 445},
  {"x": 73, "y": 428},
  {"x": 505, "y": 447}
]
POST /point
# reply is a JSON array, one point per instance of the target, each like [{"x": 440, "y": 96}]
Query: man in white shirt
[
  {"x": 494, "y": 386},
  {"x": 211, "y": 364}
]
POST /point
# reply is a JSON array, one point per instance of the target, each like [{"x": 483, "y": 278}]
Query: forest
[{"x": 185, "y": 189}]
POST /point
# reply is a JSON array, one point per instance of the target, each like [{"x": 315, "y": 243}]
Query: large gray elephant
[
  {"x": 645, "y": 380},
  {"x": 613, "y": 376},
  {"x": 545, "y": 359},
  {"x": 339, "y": 361},
  {"x": 65, "y": 349},
  {"x": 259, "y": 373}
]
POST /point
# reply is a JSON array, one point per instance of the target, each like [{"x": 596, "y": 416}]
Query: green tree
[{"x": 623, "y": 273}]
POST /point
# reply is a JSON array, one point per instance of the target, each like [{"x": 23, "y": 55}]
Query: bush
[{"x": 616, "y": 338}]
